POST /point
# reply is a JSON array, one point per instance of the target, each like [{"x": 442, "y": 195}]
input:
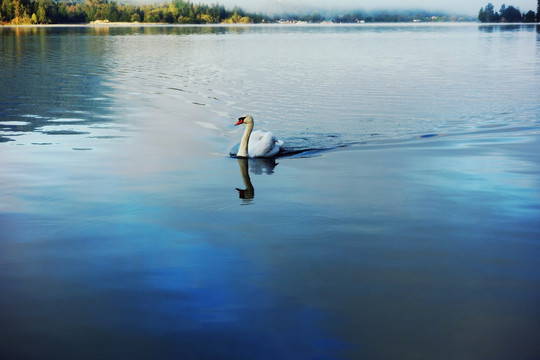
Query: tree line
[
  {"x": 20, "y": 12},
  {"x": 377, "y": 17},
  {"x": 508, "y": 14}
]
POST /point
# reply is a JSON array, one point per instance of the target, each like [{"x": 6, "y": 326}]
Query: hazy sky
[{"x": 464, "y": 7}]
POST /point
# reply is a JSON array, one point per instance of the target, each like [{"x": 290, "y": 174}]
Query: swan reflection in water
[{"x": 258, "y": 166}]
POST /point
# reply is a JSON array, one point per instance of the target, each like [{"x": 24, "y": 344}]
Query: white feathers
[
  {"x": 263, "y": 144},
  {"x": 257, "y": 143}
]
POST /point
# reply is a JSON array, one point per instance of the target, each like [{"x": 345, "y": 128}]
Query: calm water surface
[{"x": 403, "y": 222}]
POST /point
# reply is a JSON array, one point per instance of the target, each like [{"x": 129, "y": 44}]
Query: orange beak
[{"x": 240, "y": 121}]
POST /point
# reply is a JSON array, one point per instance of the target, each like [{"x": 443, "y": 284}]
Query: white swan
[{"x": 258, "y": 143}]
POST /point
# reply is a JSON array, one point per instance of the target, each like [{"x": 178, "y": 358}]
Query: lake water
[{"x": 403, "y": 222}]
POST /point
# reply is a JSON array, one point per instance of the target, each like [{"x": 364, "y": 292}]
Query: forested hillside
[{"x": 65, "y": 12}]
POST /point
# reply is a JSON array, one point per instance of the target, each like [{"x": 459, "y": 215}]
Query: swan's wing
[
  {"x": 263, "y": 144},
  {"x": 257, "y": 135},
  {"x": 275, "y": 148}
]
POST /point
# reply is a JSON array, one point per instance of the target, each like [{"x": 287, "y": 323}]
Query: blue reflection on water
[{"x": 143, "y": 290}]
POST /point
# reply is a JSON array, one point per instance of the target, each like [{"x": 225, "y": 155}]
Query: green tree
[
  {"x": 26, "y": 18},
  {"x": 510, "y": 14},
  {"x": 63, "y": 12},
  {"x": 482, "y": 17},
  {"x": 490, "y": 12},
  {"x": 153, "y": 16},
  {"x": 15, "y": 17},
  {"x": 41, "y": 15},
  {"x": 6, "y": 10},
  {"x": 529, "y": 17}
]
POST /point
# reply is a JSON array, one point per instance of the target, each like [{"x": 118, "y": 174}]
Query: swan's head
[{"x": 246, "y": 119}]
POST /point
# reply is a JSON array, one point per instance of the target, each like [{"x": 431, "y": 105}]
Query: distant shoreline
[
  {"x": 139, "y": 24},
  {"x": 371, "y": 24}
]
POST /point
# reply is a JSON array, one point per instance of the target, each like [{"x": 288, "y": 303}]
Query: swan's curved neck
[{"x": 243, "y": 149}]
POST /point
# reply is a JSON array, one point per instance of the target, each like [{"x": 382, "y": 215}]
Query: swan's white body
[{"x": 257, "y": 143}]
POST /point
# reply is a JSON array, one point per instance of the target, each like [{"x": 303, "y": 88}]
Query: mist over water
[
  {"x": 401, "y": 222},
  {"x": 462, "y": 7}
]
